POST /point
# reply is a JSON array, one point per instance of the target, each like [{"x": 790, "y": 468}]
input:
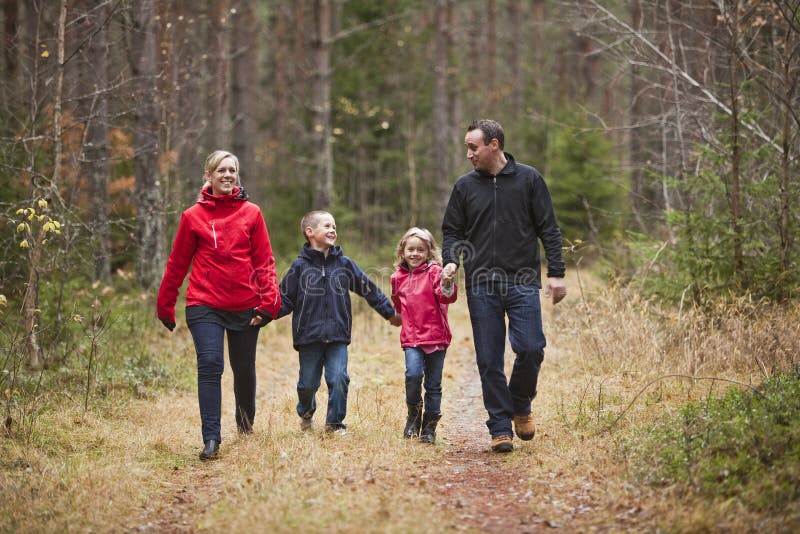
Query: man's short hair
[
  {"x": 311, "y": 219},
  {"x": 491, "y": 130}
]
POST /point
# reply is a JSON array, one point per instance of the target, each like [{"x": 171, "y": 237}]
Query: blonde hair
[
  {"x": 212, "y": 162},
  {"x": 423, "y": 234},
  {"x": 311, "y": 219}
]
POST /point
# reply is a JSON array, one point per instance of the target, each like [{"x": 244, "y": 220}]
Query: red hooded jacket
[
  {"x": 417, "y": 297},
  {"x": 224, "y": 240}
]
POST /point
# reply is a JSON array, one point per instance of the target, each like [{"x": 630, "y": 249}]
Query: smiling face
[
  {"x": 322, "y": 235},
  {"x": 416, "y": 252},
  {"x": 223, "y": 178}
]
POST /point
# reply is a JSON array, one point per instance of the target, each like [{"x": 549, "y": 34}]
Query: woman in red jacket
[
  {"x": 233, "y": 288},
  {"x": 420, "y": 294}
]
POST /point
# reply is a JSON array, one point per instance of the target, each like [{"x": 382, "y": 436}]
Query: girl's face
[{"x": 416, "y": 252}]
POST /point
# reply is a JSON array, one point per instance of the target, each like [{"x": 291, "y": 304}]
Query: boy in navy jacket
[{"x": 317, "y": 290}]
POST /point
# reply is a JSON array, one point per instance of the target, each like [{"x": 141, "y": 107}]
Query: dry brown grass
[{"x": 132, "y": 464}]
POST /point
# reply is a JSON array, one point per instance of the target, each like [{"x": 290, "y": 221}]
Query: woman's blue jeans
[
  {"x": 333, "y": 358},
  {"x": 489, "y": 304},
  {"x": 429, "y": 367},
  {"x": 208, "y": 343}
]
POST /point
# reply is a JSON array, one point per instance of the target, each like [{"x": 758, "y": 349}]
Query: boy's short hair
[{"x": 311, "y": 219}]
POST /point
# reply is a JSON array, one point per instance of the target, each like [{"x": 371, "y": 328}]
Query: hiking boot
[
  {"x": 335, "y": 430},
  {"x": 428, "y": 432},
  {"x": 524, "y": 427},
  {"x": 306, "y": 424},
  {"x": 502, "y": 443},
  {"x": 210, "y": 450},
  {"x": 413, "y": 421}
]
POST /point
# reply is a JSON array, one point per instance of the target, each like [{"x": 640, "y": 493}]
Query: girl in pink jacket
[{"x": 420, "y": 294}]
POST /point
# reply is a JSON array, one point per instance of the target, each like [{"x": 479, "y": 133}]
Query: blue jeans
[
  {"x": 428, "y": 366},
  {"x": 333, "y": 358},
  {"x": 488, "y": 305},
  {"x": 208, "y": 343}
]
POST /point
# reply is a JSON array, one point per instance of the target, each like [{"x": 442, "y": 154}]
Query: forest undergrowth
[{"x": 649, "y": 417}]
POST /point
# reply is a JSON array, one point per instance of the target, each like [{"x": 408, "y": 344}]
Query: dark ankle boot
[
  {"x": 210, "y": 450},
  {"x": 429, "y": 423},
  {"x": 413, "y": 421}
]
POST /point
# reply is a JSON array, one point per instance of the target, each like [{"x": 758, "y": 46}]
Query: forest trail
[{"x": 558, "y": 480}]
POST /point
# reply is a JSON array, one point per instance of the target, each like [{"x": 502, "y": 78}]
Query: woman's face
[{"x": 223, "y": 178}]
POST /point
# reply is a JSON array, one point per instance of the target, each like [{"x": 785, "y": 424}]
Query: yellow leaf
[
  {"x": 42, "y": 203},
  {"x": 21, "y": 227},
  {"x": 45, "y": 54},
  {"x": 3, "y": 301},
  {"x": 24, "y": 244}
]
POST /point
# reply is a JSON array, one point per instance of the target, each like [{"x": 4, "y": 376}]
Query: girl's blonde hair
[
  {"x": 434, "y": 252},
  {"x": 212, "y": 162}
]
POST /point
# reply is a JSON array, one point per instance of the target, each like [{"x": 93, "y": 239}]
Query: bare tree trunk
[
  {"x": 636, "y": 115},
  {"x": 244, "y": 108},
  {"x": 412, "y": 162},
  {"x": 491, "y": 50},
  {"x": 95, "y": 160},
  {"x": 735, "y": 183},
  {"x": 30, "y": 308},
  {"x": 10, "y": 52},
  {"x": 150, "y": 222},
  {"x": 217, "y": 113},
  {"x": 515, "y": 55},
  {"x": 441, "y": 116},
  {"x": 321, "y": 107},
  {"x": 789, "y": 86}
]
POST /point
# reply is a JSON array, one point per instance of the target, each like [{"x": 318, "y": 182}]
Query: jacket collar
[
  {"x": 510, "y": 167},
  {"x": 403, "y": 266},
  {"x": 209, "y": 199},
  {"x": 315, "y": 256}
]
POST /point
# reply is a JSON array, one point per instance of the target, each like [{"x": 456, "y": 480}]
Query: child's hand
[
  {"x": 448, "y": 275},
  {"x": 395, "y": 320}
]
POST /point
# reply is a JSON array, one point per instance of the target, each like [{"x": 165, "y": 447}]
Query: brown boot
[
  {"x": 502, "y": 443},
  {"x": 524, "y": 427}
]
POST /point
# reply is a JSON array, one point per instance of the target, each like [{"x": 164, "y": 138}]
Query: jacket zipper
[
  {"x": 214, "y": 231},
  {"x": 494, "y": 222}
]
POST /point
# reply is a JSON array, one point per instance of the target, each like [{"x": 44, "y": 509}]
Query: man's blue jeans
[
  {"x": 333, "y": 358},
  {"x": 488, "y": 305},
  {"x": 428, "y": 366},
  {"x": 208, "y": 343}
]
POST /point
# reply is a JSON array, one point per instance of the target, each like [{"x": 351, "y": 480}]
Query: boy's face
[{"x": 322, "y": 235}]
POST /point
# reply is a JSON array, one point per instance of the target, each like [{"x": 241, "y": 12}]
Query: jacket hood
[
  {"x": 210, "y": 199},
  {"x": 314, "y": 256}
]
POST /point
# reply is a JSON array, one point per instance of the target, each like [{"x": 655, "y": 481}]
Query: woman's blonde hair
[
  {"x": 212, "y": 162},
  {"x": 434, "y": 252}
]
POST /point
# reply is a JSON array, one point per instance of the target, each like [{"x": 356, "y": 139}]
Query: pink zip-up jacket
[{"x": 417, "y": 296}]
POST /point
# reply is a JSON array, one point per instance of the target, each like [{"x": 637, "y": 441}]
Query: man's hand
[
  {"x": 556, "y": 288},
  {"x": 395, "y": 320}
]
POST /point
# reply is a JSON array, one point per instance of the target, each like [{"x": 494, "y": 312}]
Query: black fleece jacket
[{"x": 496, "y": 222}]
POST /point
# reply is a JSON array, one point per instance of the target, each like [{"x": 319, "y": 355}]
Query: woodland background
[{"x": 668, "y": 132}]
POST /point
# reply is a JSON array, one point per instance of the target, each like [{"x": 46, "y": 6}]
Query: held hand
[
  {"x": 449, "y": 272},
  {"x": 395, "y": 320},
  {"x": 256, "y": 320},
  {"x": 556, "y": 288}
]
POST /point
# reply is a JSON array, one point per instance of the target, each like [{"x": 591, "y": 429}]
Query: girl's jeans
[
  {"x": 428, "y": 366},
  {"x": 208, "y": 343},
  {"x": 333, "y": 358}
]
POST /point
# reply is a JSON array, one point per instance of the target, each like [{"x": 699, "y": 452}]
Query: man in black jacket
[{"x": 495, "y": 217}]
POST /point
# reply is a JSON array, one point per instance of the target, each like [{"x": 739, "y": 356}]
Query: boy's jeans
[
  {"x": 208, "y": 343},
  {"x": 333, "y": 357},
  {"x": 488, "y": 304},
  {"x": 429, "y": 366}
]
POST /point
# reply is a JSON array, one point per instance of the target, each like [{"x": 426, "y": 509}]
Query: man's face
[
  {"x": 480, "y": 154},
  {"x": 323, "y": 233}
]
